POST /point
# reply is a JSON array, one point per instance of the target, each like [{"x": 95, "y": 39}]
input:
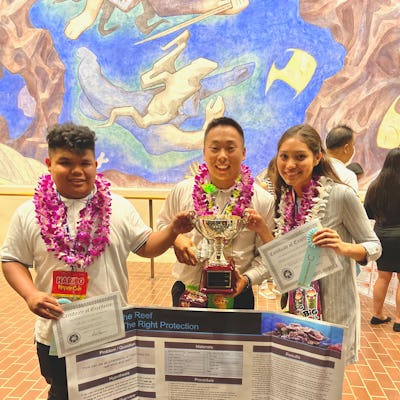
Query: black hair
[
  {"x": 70, "y": 136},
  {"x": 224, "y": 121},
  {"x": 339, "y": 136},
  {"x": 383, "y": 194},
  {"x": 356, "y": 168}
]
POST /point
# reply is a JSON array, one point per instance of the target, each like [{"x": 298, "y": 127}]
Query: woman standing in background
[{"x": 382, "y": 203}]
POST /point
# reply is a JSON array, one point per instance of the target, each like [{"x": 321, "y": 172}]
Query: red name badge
[{"x": 70, "y": 284}]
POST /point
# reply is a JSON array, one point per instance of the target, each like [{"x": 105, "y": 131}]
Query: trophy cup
[{"x": 218, "y": 274}]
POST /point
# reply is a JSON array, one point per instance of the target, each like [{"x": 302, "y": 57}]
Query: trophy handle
[
  {"x": 246, "y": 218},
  {"x": 192, "y": 216}
]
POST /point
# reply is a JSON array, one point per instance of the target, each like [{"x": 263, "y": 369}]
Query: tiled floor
[{"x": 376, "y": 376}]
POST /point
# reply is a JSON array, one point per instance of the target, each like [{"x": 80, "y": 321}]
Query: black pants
[
  {"x": 243, "y": 301},
  {"x": 53, "y": 370}
]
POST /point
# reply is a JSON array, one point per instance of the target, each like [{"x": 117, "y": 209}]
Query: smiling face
[
  {"x": 295, "y": 163},
  {"x": 73, "y": 173},
  {"x": 223, "y": 153}
]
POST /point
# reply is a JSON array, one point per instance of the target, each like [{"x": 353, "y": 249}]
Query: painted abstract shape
[
  {"x": 99, "y": 97},
  {"x": 151, "y": 8},
  {"x": 101, "y": 160},
  {"x": 225, "y": 7},
  {"x": 26, "y": 102},
  {"x": 30, "y": 53},
  {"x": 174, "y": 137},
  {"x": 17, "y": 169},
  {"x": 177, "y": 86},
  {"x": 364, "y": 89},
  {"x": 297, "y": 73},
  {"x": 389, "y": 130}
]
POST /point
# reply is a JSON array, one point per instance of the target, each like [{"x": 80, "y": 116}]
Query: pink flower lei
[
  {"x": 312, "y": 205},
  {"x": 93, "y": 228},
  {"x": 204, "y": 193}
]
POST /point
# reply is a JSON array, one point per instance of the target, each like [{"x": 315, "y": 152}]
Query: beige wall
[{"x": 10, "y": 201}]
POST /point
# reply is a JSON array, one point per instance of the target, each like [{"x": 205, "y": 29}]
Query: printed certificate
[
  {"x": 89, "y": 323},
  {"x": 284, "y": 257}
]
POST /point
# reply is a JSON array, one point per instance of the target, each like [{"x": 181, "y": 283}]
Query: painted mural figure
[
  {"x": 157, "y": 139},
  {"x": 304, "y": 49},
  {"x": 151, "y": 8},
  {"x": 88, "y": 16},
  {"x": 178, "y": 85}
]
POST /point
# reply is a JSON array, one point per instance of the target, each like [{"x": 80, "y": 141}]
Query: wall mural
[{"x": 147, "y": 76}]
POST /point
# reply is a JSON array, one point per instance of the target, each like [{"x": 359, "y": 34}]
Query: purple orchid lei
[
  {"x": 93, "y": 227},
  {"x": 204, "y": 193},
  {"x": 312, "y": 205},
  {"x": 292, "y": 218}
]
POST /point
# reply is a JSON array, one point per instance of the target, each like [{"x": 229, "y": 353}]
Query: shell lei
[
  {"x": 204, "y": 193},
  {"x": 93, "y": 227},
  {"x": 313, "y": 205}
]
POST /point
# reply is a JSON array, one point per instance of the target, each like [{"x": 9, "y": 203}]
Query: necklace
[
  {"x": 312, "y": 205},
  {"x": 204, "y": 193},
  {"x": 93, "y": 227}
]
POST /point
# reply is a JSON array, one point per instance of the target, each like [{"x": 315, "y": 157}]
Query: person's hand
[
  {"x": 241, "y": 283},
  {"x": 182, "y": 222},
  {"x": 256, "y": 223},
  {"x": 44, "y": 305},
  {"x": 329, "y": 238},
  {"x": 184, "y": 250}
]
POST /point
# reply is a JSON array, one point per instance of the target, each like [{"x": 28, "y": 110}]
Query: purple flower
[
  {"x": 204, "y": 193},
  {"x": 93, "y": 227}
]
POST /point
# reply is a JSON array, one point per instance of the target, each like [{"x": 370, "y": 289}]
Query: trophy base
[{"x": 218, "y": 279}]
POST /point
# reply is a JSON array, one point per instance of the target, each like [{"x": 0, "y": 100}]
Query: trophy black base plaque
[{"x": 218, "y": 279}]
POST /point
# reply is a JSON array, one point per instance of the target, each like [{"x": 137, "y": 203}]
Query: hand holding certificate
[
  {"x": 293, "y": 261},
  {"x": 89, "y": 323}
]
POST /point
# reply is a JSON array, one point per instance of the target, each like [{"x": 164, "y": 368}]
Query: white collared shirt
[
  {"x": 346, "y": 175},
  {"x": 108, "y": 273}
]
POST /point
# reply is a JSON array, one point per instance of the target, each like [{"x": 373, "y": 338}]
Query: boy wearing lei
[
  {"x": 222, "y": 185},
  {"x": 74, "y": 230}
]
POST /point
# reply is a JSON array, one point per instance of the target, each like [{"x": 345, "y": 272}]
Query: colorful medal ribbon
[{"x": 310, "y": 262}]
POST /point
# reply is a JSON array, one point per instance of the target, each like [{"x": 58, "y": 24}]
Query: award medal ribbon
[
  {"x": 304, "y": 301},
  {"x": 310, "y": 262}
]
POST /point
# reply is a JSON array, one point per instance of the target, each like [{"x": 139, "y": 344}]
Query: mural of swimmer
[
  {"x": 151, "y": 8},
  {"x": 177, "y": 98},
  {"x": 149, "y": 75}
]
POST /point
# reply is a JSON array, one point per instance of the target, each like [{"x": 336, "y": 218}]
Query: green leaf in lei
[{"x": 209, "y": 188}]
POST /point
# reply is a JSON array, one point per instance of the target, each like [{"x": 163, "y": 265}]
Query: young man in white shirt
[
  {"x": 223, "y": 153},
  {"x": 74, "y": 229}
]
